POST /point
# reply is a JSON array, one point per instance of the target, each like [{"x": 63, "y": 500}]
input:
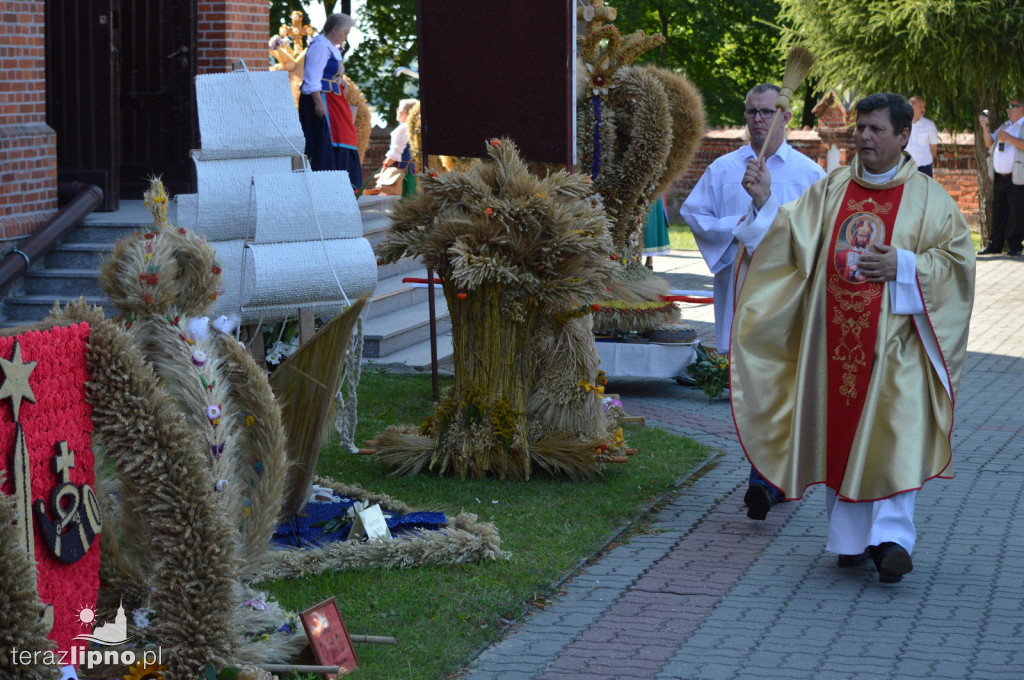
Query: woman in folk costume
[
  {"x": 401, "y": 179},
  {"x": 849, "y": 380},
  {"x": 323, "y": 108}
]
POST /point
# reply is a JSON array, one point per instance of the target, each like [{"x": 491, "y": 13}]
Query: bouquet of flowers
[{"x": 710, "y": 371}]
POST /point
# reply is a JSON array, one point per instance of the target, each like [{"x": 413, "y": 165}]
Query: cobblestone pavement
[{"x": 709, "y": 594}]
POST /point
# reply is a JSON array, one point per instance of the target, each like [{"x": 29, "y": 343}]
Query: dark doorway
[
  {"x": 157, "y": 100},
  {"x": 81, "y": 87},
  {"x": 120, "y": 94}
]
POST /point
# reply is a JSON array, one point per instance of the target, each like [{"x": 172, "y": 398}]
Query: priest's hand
[
  {"x": 878, "y": 265},
  {"x": 758, "y": 182}
]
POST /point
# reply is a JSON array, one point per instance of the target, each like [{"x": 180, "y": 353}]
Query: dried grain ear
[
  {"x": 20, "y": 625},
  {"x": 686, "y": 109}
]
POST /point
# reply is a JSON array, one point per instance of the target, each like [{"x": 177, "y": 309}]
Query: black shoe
[
  {"x": 891, "y": 560},
  {"x": 989, "y": 250},
  {"x": 686, "y": 380},
  {"x": 758, "y": 500},
  {"x": 852, "y": 560},
  {"x": 1014, "y": 253}
]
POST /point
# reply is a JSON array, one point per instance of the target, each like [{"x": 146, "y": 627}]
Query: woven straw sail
[
  {"x": 300, "y": 273},
  {"x": 229, "y": 257},
  {"x": 225, "y": 190},
  {"x": 257, "y": 119},
  {"x": 284, "y": 210},
  {"x": 186, "y": 209}
]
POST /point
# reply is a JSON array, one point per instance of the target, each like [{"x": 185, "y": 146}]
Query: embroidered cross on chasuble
[{"x": 853, "y": 305}]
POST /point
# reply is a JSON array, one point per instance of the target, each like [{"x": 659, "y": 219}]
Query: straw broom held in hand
[{"x": 798, "y": 63}]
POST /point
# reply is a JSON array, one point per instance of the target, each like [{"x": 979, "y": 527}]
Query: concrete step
[
  {"x": 98, "y": 232},
  {"x": 77, "y": 256},
  {"x": 391, "y": 295},
  {"x": 407, "y": 266},
  {"x": 389, "y": 333},
  {"x": 63, "y": 282},
  {"x": 416, "y": 357},
  {"x": 26, "y": 308}
]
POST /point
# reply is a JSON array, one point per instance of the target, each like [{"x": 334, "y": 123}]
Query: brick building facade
[
  {"x": 28, "y": 148},
  {"x": 227, "y": 31}
]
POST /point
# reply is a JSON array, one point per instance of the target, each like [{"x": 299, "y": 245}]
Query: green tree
[
  {"x": 963, "y": 56},
  {"x": 389, "y": 30},
  {"x": 724, "y": 47},
  {"x": 281, "y": 13}
]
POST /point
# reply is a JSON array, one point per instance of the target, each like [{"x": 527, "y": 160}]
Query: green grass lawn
[
  {"x": 680, "y": 237},
  {"x": 441, "y": 615}
]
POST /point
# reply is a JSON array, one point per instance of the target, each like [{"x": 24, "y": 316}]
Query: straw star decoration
[{"x": 15, "y": 386}]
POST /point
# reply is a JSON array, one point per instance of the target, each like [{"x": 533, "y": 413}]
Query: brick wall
[
  {"x": 380, "y": 142},
  {"x": 956, "y": 170},
  {"x": 28, "y": 149},
  {"x": 232, "y": 30}
]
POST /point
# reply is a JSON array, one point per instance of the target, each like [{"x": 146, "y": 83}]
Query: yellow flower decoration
[{"x": 144, "y": 670}]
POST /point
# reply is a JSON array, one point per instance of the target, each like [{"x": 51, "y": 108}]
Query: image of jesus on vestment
[{"x": 859, "y": 232}]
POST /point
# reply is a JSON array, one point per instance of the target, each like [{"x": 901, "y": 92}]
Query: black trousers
[{"x": 1007, "y": 214}]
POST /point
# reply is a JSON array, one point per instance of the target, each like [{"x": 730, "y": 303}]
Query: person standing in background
[
  {"x": 717, "y": 205},
  {"x": 1006, "y": 150},
  {"x": 324, "y": 111},
  {"x": 924, "y": 138}
]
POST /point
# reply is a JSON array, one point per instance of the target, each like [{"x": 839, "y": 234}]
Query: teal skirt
[{"x": 656, "y": 232}]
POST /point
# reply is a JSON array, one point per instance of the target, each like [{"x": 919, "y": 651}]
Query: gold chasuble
[{"x": 827, "y": 384}]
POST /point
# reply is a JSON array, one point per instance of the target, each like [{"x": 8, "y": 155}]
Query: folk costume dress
[
  {"x": 656, "y": 241},
  {"x": 401, "y": 154},
  {"x": 330, "y": 141},
  {"x": 847, "y": 383}
]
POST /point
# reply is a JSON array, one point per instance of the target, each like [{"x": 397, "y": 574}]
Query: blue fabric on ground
[{"x": 308, "y": 527}]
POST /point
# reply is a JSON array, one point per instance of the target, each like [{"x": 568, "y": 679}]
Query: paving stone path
[{"x": 709, "y": 594}]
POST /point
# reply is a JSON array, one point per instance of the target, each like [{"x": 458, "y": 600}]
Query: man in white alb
[
  {"x": 924, "y": 138},
  {"x": 714, "y": 209}
]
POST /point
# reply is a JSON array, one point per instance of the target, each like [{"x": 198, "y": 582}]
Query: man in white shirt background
[
  {"x": 924, "y": 138},
  {"x": 1007, "y": 197},
  {"x": 714, "y": 209}
]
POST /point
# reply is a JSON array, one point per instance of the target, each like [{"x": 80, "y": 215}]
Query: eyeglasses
[
  {"x": 1011, "y": 105},
  {"x": 767, "y": 114}
]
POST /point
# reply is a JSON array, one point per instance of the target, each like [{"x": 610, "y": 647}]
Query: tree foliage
[
  {"x": 724, "y": 47},
  {"x": 281, "y": 13},
  {"x": 389, "y": 30},
  {"x": 961, "y": 55}
]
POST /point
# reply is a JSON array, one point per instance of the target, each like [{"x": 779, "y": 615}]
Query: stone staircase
[{"x": 396, "y": 333}]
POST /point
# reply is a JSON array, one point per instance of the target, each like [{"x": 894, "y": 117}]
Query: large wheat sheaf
[
  {"x": 514, "y": 251},
  {"x": 637, "y": 130}
]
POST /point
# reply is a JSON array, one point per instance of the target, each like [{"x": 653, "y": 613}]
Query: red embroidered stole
[{"x": 865, "y": 218}]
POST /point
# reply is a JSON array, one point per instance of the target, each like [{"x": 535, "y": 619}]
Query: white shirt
[
  {"x": 399, "y": 140},
  {"x": 319, "y": 50},
  {"x": 718, "y": 203},
  {"x": 923, "y": 134},
  {"x": 1002, "y": 161}
]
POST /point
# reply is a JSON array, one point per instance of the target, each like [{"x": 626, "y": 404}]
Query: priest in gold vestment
[{"x": 851, "y": 381}]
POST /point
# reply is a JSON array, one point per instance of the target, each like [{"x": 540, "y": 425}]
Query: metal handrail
[{"x": 87, "y": 198}]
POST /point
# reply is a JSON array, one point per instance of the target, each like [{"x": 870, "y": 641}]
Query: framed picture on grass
[{"x": 329, "y": 638}]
